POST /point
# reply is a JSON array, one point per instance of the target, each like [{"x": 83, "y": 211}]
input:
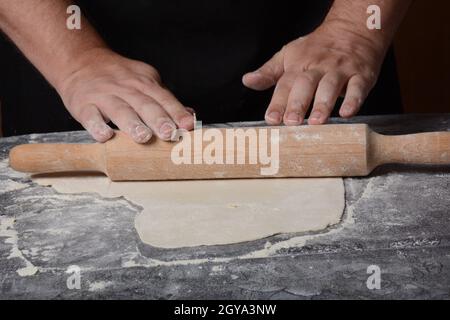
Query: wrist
[
  {"x": 355, "y": 34},
  {"x": 78, "y": 62}
]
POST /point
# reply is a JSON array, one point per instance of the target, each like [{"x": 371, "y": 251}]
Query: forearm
[
  {"x": 349, "y": 17},
  {"x": 38, "y": 28}
]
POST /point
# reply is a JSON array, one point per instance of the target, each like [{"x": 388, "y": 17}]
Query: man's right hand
[
  {"x": 105, "y": 86},
  {"x": 96, "y": 84}
]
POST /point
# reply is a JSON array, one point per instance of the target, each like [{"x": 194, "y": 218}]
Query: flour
[
  {"x": 11, "y": 185},
  {"x": 7, "y": 231}
]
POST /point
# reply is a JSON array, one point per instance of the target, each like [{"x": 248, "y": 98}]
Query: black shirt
[{"x": 201, "y": 49}]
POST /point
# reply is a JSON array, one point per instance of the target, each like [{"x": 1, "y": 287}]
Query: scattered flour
[
  {"x": 99, "y": 285},
  {"x": 7, "y": 231}
]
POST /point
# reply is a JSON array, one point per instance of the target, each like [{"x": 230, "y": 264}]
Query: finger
[
  {"x": 92, "y": 120},
  {"x": 126, "y": 119},
  {"x": 277, "y": 106},
  {"x": 153, "y": 115},
  {"x": 327, "y": 93},
  {"x": 173, "y": 107},
  {"x": 301, "y": 96},
  {"x": 357, "y": 91},
  {"x": 266, "y": 76}
]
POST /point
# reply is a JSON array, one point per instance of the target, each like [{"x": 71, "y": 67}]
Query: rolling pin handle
[
  {"x": 53, "y": 158},
  {"x": 423, "y": 148}
]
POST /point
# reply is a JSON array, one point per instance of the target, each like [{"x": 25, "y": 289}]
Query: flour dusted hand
[{"x": 108, "y": 87}]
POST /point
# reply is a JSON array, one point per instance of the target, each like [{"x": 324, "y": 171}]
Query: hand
[
  {"x": 108, "y": 87},
  {"x": 321, "y": 66}
]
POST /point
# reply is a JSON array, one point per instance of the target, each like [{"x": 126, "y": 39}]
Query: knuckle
[
  {"x": 133, "y": 84},
  {"x": 152, "y": 73},
  {"x": 366, "y": 74},
  {"x": 165, "y": 97},
  {"x": 151, "y": 81},
  {"x": 357, "y": 101},
  {"x": 297, "y": 104},
  {"x": 370, "y": 80},
  {"x": 144, "y": 67},
  {"x": 306, "y": 77},
  {"x": 83, "y": 113},
  {"x": 331, "y": 82},
  {"x": 288, "y": 79},
  {"x": 357, "y": 65},
  {"x": 149, "y": 86},
  {"x": 336, "y": 61},
  {"x": 323, "y": 105},
  {"x": 363, "y": 83},
  {"x": 358, "y": 89},
  {"x": 142, "y": 107},
  {"x": 354, "y": 98},
  {"x": 120, "y": 111},
  {"x": 275, "y": 106},
  {"x": 129, "y": 91},
  {"x": 145, "y": 106}
]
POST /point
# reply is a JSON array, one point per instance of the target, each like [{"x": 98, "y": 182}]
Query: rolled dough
[{"x": 217, "y": 212}]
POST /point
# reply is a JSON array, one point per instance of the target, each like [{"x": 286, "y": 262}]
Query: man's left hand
[{"x": 317, "y": 69}]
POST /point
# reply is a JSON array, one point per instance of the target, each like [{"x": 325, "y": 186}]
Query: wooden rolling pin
[{"x": 304, "y": 151}]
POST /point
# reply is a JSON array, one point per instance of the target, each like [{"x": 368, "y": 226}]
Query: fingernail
[
  {"x": 346, "y": 110},
  {"x": 166, "y": 130},
  {"x": 316, "y": 115},
  {"x": 274, "y": 116},
  {"x": 293, "y": 117},
  {"x": 103, "y": 130},
  {"x": 142, "y": 134},
  {"x": 187, "y": 122}
]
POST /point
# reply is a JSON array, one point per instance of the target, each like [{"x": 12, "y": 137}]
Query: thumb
[{"x": 266, "y": 76}]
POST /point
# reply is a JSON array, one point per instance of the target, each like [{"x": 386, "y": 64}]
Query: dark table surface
[{"x": 397, "y": 219}]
